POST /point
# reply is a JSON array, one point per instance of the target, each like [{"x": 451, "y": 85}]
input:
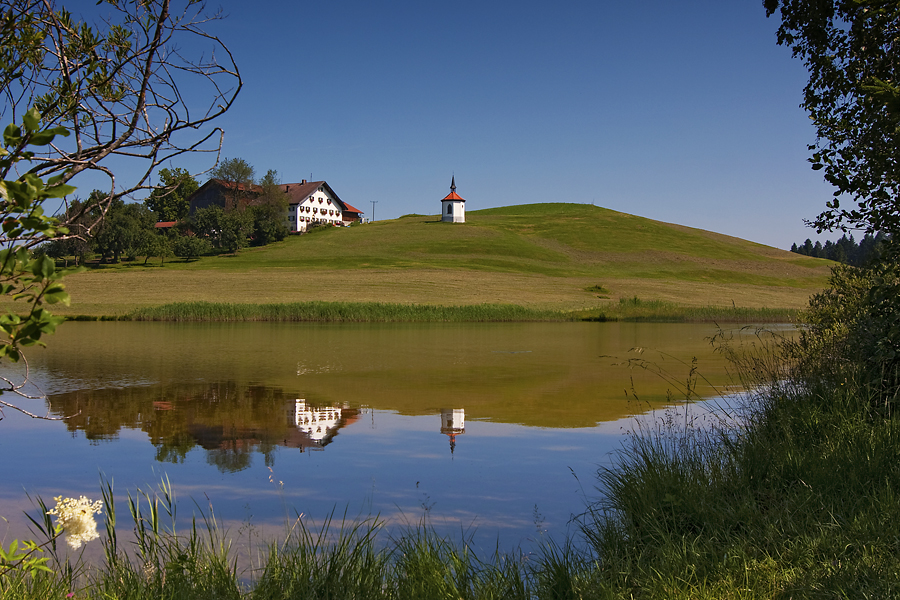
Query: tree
[
  {"x": 238, "y": 177},
  {"x": 158, "y": 244},
  {"x": 851, "y": 52},
  {"x": 126, "y": 230},
  {"x": 237, "y": 225},
  {"x": 81, "y": 97},
  {"x": 191, "y": 247},
  {"x": 227, "y": 230},
  {"x": 116, "y": 89},
  {"x": 269, "y": 210},
  {"x": 170, "y": 202},
  {"x": 77, "y": 244}
]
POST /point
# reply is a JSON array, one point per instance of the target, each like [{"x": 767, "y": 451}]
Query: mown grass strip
[{"x": 343, "y": 312}]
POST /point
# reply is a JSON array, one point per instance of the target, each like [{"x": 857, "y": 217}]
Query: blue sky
[{"x": 681, "y": 112}]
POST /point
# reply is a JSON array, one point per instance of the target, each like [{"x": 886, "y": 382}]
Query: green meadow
[{"x": 569, "y": 258}]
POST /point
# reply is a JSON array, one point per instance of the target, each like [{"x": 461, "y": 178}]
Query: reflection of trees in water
[
  {"x": 229, "y": 420},
  {"x": 175, "y": 449}
]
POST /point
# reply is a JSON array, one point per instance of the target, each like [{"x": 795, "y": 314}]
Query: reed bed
[
  {"x": 343, "y": 312},
  {"x": 660, "y": 311},
  {"x": 626, "y": 309}
]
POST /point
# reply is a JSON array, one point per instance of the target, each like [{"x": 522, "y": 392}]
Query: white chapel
[{"x": 453, "y": 208}]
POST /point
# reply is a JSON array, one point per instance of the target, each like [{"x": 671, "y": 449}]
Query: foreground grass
[{"x": 799, "y": 501}]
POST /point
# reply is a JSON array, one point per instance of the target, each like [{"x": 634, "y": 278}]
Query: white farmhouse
[
  {"x": 453, "y": 208},
  {"x": 309, "y": 202},
  {"x": 314, "y": 202}
]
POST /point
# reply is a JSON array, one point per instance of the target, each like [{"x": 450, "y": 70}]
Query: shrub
[{"x": 853, "y": 328}]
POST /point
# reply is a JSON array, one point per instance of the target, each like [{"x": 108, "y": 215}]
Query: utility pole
[{"x": 374, "y": 202}]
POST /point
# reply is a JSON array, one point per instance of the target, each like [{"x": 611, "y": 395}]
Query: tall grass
[
  {"x": 369, "y": 312},
  {"x": 661, "y": 311},
  {"x": 799, "y": 500},
  {"x": 631, "y": 309},
  {"x": 336, "y": 560}
]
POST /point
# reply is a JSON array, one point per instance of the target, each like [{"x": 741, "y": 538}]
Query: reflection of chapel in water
[{"x": 453, "y": 423}]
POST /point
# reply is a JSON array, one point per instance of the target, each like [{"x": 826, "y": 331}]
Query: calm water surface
[{"x": 496, "y": 429}]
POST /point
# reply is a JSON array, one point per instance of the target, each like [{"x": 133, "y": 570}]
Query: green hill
[
  {"x": 560, "y": 240},
  {"x": 561, "y": 256}
]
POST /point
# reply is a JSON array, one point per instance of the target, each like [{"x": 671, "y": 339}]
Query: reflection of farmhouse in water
[
  {"x": 453, "y": 423},
  {"x": 320, "y": 425}
]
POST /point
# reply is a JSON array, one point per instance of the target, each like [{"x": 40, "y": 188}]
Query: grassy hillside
[{"x": 546, "y": 256}]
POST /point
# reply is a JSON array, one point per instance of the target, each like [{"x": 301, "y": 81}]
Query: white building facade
[
  {"x": 453, "y": 208},
  {"x": 315, "y": 203}
]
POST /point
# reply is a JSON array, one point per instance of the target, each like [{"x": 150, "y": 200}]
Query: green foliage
[
  {"x": 238, "y": 176},
  {"x": 325, "y": 563},
  {"x": 116, "y": 89},
  {"x": 113, "y": 81},
  {"x": 191, "y": 247},
  {"x": 791, "y": 496},
  {"x": 128, "y": 229},
  {"x": 170, "y": 203},
  {"x": 227, "y": 230},
  {"x": 26, "y": 558},
  {"x": 268, "y": 211},
  {"x": 853, "y": 99},
  {"x": 845, "y": 250},
  {"x": 159, "y": 244},
  {"x": 854, "y": 327},
  {"x": 79, "y": 219},
  {"x": 32, "y": 279}
]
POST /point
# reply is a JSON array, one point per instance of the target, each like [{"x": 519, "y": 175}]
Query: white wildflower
[{"x": 76, "y": 517}]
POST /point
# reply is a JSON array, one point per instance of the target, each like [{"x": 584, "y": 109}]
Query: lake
[{"x": 493, "y": 430}]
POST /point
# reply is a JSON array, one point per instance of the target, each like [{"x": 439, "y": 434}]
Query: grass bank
[{"x": 798, "y": 501}]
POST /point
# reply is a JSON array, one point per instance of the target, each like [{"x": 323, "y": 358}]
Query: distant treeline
[{"x": 845, "y": 250}]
